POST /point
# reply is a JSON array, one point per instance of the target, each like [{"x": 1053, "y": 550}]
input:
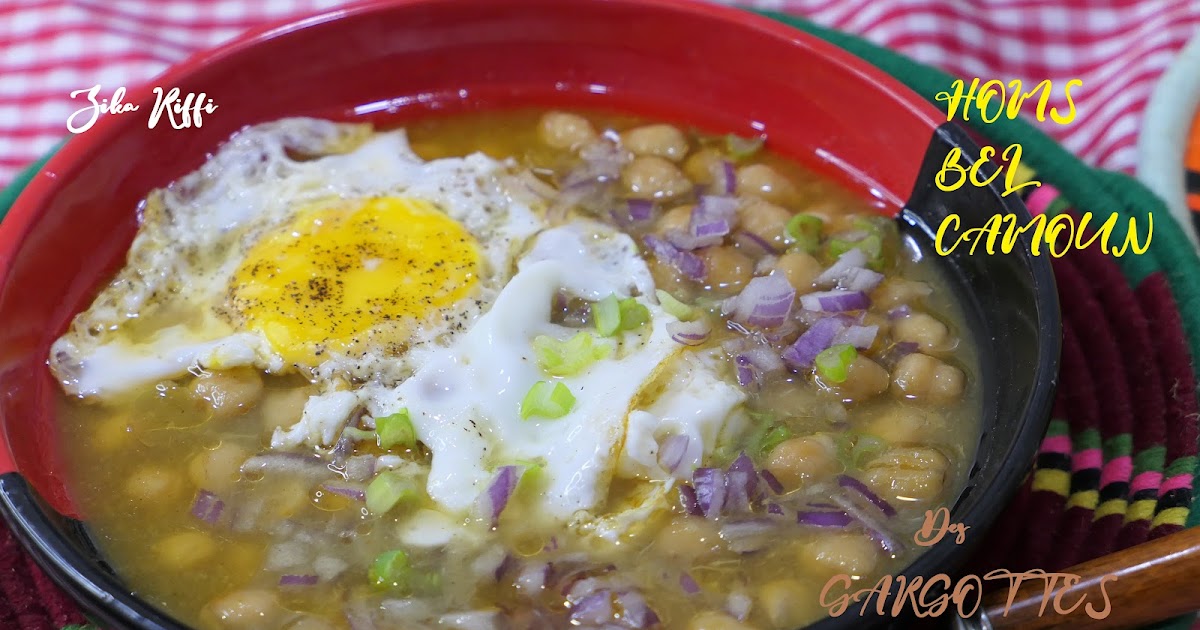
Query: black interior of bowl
[{"x": 1011, "y": 306}]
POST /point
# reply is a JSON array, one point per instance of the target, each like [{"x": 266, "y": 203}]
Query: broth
[{"x": 903, "y": 420}]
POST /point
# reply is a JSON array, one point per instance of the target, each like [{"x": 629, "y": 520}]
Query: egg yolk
[{"x": 335, "y": 275}]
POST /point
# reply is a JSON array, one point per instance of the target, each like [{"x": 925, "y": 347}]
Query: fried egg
[{"x": 301, "y": 245}]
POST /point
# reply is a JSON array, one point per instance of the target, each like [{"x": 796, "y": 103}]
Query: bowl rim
[{"x": 100, "y": 594}]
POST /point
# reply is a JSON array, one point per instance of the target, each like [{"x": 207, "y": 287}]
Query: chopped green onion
[
  {"x": 613, "y": 315},
  {"x": 547, "y": 400},
  {"x": 871, "y": 245},
  {"x": 533, "y": 475},
  {"x": 633, "y": 314},
  {"x": 866, "y": 447},
  {"x": 833, "y": 363},
  {"x": 740, "y": 148},
  {"x": 774, "y": 436},
  {"x": 804, "y": 230},
  {"x": 564, "y": 358},
  {"x": 607, "y": 315},
  {"x": 388, "y": 489},
  {"x": 675, "y": 308},
  {"x": 391, "y": 570},
  {"x": 396, "y": 430}
]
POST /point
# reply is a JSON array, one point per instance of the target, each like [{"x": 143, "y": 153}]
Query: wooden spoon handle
[{"x": 1143, "y": 584}]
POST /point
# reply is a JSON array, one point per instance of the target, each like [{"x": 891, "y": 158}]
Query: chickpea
[
  {"x": 669, "y": 279},
  {"x": 675, "y": 219},
  {"x": 185, "y": 550},
  {"x": 790, "y": 603},
  {"x": 152, "y": 484},
  {"x": 229, "y": 393},
  {"x": 764, "y": 182},
  {"x": 864, "y": 379},
  {"x": 893, "y": 292},
  {"x": 800, "y": 459},
  {"x": 727, "y": 269},
  {"x": 713, "y": 620},
  {"x": 217, "y": 470},
  {"x": 283, "y": 407},
  {"x": 245, "y": 610},
  {"x": 922, "y": 329},
  {"x": 113, "y": 433},
  {"x": 842, "y": 552},
  {"x": 920, "y": 375},
  {"x": 701, "y": 165},
  {"x": 764, "y": 220},
  {"x": 688, "y": 537},
  {"x": 800, "y": 268},
  {"x": 909, "y": 473},
  {"x": 652, "y": 177},
  {"x": 568, "y": 132},
  {"x": 905, "y": 424},
  {"x": 948, "y": 383},
  {"x": 665, "y": 141}
]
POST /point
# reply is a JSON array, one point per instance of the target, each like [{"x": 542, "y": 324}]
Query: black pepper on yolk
[{"x": 324, "y": 281}]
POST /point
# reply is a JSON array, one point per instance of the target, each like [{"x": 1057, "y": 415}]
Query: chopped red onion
[
  {"x": 360, "y": 468},
  {"x": 724, "y": 177},
  {"x": 534, "y": 577},
  {"x": 743, "y": 465},
  {"x": 749, "y": 535},
  {"x": 685, "y": 262},
  {"x": 765, "y": 302},
  {"x": 688, "y": 584},
  {"x": 859, "y": 279},
  {"x": 691, "y": 333},
  {"x": 672, "y": 452},
  {"x": 752, "y": 242},
  {"x": 762, "y": 357},
  {"x": 635, "y": 612},
  {"x": 846, "y": 481},
  {"x": 860, "y": 337},
  {"x": 852, "y": 259},
  {"x": 710, "y": 490},
  {"x": 900, "y": 312},
  {"x": 687, "y": 499},
  {"x": 596, "y": 609},
  {"x": 341, "y": 450},
  {"x": 498, "y": 493},
  {"x": 345, "y": 490},
  {"x": 298, "y": 580},
  {"x": 746, "y": 374},
  {"x": 835, "y": 301},
  {"x": 772, "y": 481},
  {"x": 208, "y": 507},
  {"x": 775, "y": 508},
  {"x": 688, "y": 241},
  {"x": 814, "y": 341},
  {"x": 639, "y": 209},
  {"x": 824, "y": 519},
  {"x": 290, "y": 463},
  {"x": 873, "y": 526}
]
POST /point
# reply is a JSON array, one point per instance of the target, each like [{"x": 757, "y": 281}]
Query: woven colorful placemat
[{"x": 1119, "y": 462}]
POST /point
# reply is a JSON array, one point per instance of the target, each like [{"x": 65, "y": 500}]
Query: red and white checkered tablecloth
[{"x": 1118, "y": 48}]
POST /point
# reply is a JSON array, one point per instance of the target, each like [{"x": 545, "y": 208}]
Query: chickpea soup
[{"x": 530, "y": 369}]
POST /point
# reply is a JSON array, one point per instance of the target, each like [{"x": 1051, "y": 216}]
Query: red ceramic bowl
[{"x": 690, "y": 62}]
